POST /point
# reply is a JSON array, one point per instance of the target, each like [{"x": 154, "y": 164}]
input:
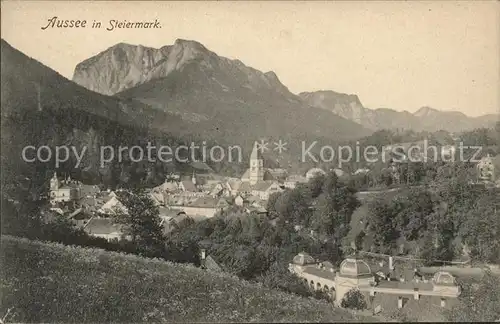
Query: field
[{"x": 47, "y": 282}]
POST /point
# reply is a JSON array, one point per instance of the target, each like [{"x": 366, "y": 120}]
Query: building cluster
[
  {"x": 488, "y": 170},
  {"x": 87, "y": 206},
  {"x": 356, "y": 273},
  {"x": 199, "y": 197},
  {"x": 195, "y": 198}
]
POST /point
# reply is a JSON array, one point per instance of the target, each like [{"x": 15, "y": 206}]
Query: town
[
  {"x": 235, "y": 162},
  {"x": 205, "y": 195}
]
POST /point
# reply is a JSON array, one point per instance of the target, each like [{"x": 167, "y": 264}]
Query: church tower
[
  {"x": 54, "y": 183},
  {"x": 256, "y": 166}
]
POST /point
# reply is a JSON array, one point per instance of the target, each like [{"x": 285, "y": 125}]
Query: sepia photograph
[{"x": 250, "y": 161}]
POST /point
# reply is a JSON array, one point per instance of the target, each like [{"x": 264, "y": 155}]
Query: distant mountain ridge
[{"x": 424, "y": 119}]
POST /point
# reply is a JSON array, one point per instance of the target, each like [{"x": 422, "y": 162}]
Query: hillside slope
[
  {"x": 40, "y": 107},
  {"x": 23, "y": 77},
  {"x": 44, "y": 282}
]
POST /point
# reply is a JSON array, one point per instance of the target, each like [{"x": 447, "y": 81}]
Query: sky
[{"x": 399, "y": 55}]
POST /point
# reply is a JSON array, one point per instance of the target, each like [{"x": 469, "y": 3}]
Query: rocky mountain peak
[
  {"x": 190, "y": 45},
  {"x": 124, "y": 66},
  {"x": 425, "y": 111}
]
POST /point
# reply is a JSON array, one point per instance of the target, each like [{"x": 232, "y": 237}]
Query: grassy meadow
[{"x": 47, "y": 282}]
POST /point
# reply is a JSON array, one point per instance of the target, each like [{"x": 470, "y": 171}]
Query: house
[
  {"x": 167, "y": 214},
  {"x": 88, "y": 191},
  {"x": 238, "y": 201},
  {"x": 292, "y": 181},
  {"x": 187, "y": 186},
  {"x": 488, "y": 169},
  {"x": 169, "y": 224},
  {"x": 181, "y": 199},
  {"x": 256, "y": 209},
  {"x": 448, "y": 151},
  {"x": 245, "y": 189},
  {"x": 276, "y": 174},
  {"x": 263, "y": 189},
  {"x": 104, "y": 228},
  {"x": 314, "y": 172},
  {"x": 157, "y": 197},
  {"x": 361, "y": 171},
  {"x": 203, "y": 206},
  {"x": 169, "y": 186},
  {"x": 217, "y": 190},
  {"x": 112, "y": 206},
  {"x": 223, "y": 203},
  {"x": 254, "y": 201},
  {"x": 238, "y": 187},
  {"x": 356, "y": 273},
  {"x": 233, "y": 186},
  {"x": 338, "y": 172}
]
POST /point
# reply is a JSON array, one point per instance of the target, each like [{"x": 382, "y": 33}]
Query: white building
[
  {"x": 112, "y": 206},
  {"x": 64, "y": 191}
]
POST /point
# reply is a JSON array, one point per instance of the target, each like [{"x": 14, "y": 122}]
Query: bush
[{"x": 354, "y": 299}]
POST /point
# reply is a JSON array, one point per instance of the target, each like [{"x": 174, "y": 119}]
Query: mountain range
[
  {"x": 188, "y": 79},
  {"x": 223, "y": 97},
  {"x": 424, "y": 119}
]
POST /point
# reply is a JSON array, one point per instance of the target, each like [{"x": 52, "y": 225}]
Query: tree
[
  {"x": 380, "y": 225},
  {"x": 481, "y": 229},
  {"x": 141, "y": 222},
  {"x": 413, "y": 213},
  {"x": 354, "y": 299},
  {"x": 294, "y": 205},
  {"x": 478, "y": 301},
  {"x": 271, "y": 204},
  {"x": 278, "y": 277},
  {"x": 316, "y": 185}
]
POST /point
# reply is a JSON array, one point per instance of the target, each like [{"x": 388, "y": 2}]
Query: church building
[
  {"x": 63, "y": 191},
  {"x": 260, "y": 181}
]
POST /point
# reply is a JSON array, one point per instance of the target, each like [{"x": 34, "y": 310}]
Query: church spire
[
  {"x": 255, "y": 152},
  {"x": 54, "y": 182},
  {"x": 256, "y": 166}
]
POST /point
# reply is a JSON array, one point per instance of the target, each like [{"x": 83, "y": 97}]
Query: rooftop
[
  {"x": 406, "y": 285},
  {"x": 354, "y": 267},
  {"x": 323, "y": 273},
  {"x": 263, "y": 185},
  {"x": 189, "y": 185},
  {"x": 101, "y": 226},
  {"x": 205, "y": 202},
  {"x": 303, "y": 258}
]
